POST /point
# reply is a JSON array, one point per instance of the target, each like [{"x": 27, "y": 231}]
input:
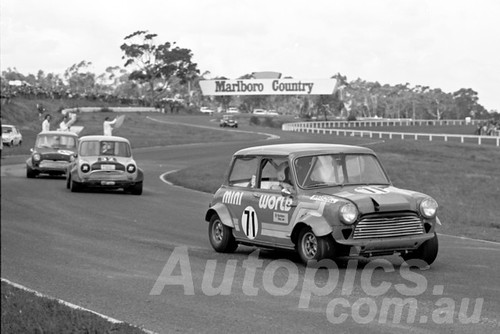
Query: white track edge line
[{"x": 73, "y": 306}]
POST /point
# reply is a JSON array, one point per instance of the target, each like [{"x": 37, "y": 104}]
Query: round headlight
[
  {"x": 85, "y": 168},
  {"x": 348, "y": 213},
  {"x": 428, "y": 207},
  {"x": 131, "y": 168},
  {"x": 36, "y": 157}
]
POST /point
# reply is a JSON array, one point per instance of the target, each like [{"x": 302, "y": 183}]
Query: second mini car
[{"x": 104, "y": 162}]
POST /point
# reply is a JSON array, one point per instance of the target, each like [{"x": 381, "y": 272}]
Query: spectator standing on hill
[
  {"x": 46, "y": 123},
  {"x": 64, "y": 125},
  {"x": 107, "y": 126}
]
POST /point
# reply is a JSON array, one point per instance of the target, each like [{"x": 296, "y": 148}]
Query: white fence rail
[
  {"x": 392, "y": 122},
  {"x": 314, "y": 127}
]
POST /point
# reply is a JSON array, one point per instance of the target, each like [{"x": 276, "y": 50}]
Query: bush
[
  {"x": 105, "y": 109},
  {"x": 254, "y": 120},
  {"x": 351, "y": 118}
]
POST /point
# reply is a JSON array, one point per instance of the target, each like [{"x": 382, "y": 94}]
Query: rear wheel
[
  {"x": 427, "y": 252},
  {"x": 313, "y": 248},
  {"x": 221, "y": 236}
]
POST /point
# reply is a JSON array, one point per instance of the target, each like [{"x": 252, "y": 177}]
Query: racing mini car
[
  {"x": 228, "y": 121},
  {"x": 11, "y": 136},
  {"x": 52, "y": 153},
  {"x": 321, "y": 200},
  {"x": 104, "y": 162}
]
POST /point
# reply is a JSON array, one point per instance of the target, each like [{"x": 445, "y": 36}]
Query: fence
[
  {"x": 392, "y": 122},
  {"x": 316, "y": 127}
]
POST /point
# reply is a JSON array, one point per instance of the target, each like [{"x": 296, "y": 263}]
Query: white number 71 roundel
[{"x": 250, "y": 223}]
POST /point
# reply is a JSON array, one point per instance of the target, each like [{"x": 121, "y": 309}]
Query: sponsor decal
[
  {"x": 280, "y": 218},
  {"x": 324, "y": 198},
  {"x": 232, "y": 197},
  {"x": 268, "y": 87},
  {"x": 371, "y": 190},
  {"x": 250, "y": 223},
  {"x": 275, "y": 202}
]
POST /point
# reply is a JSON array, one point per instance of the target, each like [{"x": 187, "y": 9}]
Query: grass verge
[{"x": 26, "y": 312}]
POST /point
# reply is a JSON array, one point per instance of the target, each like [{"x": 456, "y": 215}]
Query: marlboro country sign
[{"x": 268, "y": 87}]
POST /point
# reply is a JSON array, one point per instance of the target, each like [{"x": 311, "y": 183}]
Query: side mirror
[{"x": 286, "y": 192}]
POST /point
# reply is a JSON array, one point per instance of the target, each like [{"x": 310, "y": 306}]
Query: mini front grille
[
  {"x": 107, "y": 166},
  {"x": 388, "y": 226}
]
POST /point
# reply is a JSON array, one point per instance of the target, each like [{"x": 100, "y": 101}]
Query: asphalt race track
[{"x": 105, "y": 251}]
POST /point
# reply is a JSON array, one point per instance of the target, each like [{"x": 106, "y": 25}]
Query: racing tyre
[
  {"x": 75, "y": 186},
  {"x": 427, "y": 252},
  {"x": 136, "y": 189},
  {"x": 221, "y": 237},
  {"x": 30, "y": 173},
  {"x": 313, "y": 248}
]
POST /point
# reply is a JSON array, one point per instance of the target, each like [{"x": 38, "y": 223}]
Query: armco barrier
[{"x": 314, "y": 127}]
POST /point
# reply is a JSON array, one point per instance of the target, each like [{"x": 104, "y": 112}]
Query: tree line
[{"x": 156, "y": 73}]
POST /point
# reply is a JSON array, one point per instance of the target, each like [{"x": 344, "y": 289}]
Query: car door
[
  {"x": 238, "y": 194},
  {"x": 269, "y": 209}
]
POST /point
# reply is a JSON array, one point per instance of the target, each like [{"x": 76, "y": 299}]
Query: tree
[
  {"x": 154, "y": 64},
  {"x": 79, "y": 78}
]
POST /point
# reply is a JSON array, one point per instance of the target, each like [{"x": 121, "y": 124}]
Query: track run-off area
[{"x": 147, "y": 260}]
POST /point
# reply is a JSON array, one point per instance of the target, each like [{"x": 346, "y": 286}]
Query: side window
[
  {"x": 273, "y": 172},
  {"x": 243, "y": 172}
]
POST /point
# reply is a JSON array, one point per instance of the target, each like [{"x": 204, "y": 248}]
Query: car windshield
[
  {"x": 339, "y": 170},
  {"x": 6, "y": 129},
  {"x": 105, "y": 147},
  {"x": 55, "y": 141}
]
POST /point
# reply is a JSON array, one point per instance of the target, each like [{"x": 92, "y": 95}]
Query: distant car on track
[
  {"x": 104, "y": 162},
  {"x": 322, "y": 200},
  {"x": 259, "y": 112},
  {"x": 228, "y": 121},
  {"x": 207, "y": 111},
  {"x": 232, "y": 110},
  {"x": 11, "y": 136},
  {"x": 52, "y": 153}
]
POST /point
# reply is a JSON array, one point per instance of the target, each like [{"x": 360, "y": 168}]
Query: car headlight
[
  {"x": 37, "y": 157},
  {"x": 85, "y": 168},
  {"x": 428, "y": 208},
  {"x": 131, "y": 168},
  {"x": 348, "y": 213}
]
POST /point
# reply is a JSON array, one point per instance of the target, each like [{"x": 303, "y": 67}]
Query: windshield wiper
[{"x": 323, "y": 184}]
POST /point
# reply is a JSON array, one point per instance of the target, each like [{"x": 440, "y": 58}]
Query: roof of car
[
  {"x": 102, "y": 137},
  {"x": 302, "y": 149},
  {"x": 59, "y": 133}
]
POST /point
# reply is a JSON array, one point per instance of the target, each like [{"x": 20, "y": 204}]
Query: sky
[{"x": 446, "y": 44}]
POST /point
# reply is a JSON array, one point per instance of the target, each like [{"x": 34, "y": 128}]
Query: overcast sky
[{"x": 447, "y": 44}]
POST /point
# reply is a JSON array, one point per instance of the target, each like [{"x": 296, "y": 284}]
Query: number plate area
[
  {"x": 107, "y": 167},
  {"x": 108, "y": 183}
]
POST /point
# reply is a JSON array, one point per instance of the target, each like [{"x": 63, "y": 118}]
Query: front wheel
[
  {"x": 427, "y": 252},
  {"x": 75, "y": 186},
  {"x": 136, "y": 189},
  {"x": 313, "y": 248},
  {"x": 30, "y": 173},
  {"x": 221, "y": 237}
]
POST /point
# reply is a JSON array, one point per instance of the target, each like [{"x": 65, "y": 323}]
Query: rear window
[{"x": 105, "y": 148}]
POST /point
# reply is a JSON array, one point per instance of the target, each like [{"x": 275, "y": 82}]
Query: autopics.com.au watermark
[{"x": 374, "y": 306}]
